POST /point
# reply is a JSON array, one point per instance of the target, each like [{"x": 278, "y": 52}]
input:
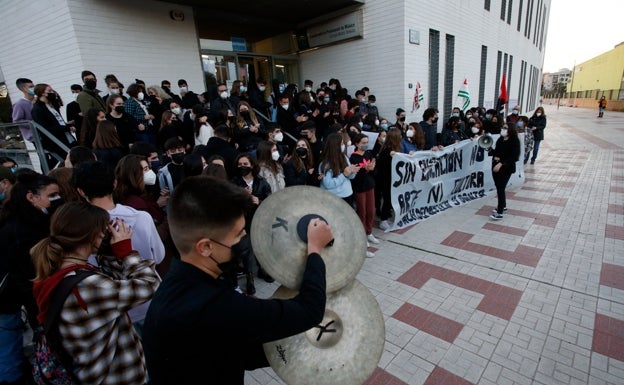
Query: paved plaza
[{"x": 537, "y": 298}]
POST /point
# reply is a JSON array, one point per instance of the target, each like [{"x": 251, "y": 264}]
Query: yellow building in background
[{"x": 597, "y": 77}]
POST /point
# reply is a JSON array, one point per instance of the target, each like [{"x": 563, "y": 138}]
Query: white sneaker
[
  {"x": 384, "y": 225},
  {"x": 371, "y": 238},
  {"x": 370, "y": 254},
  {"x": 367, "y": 244}
]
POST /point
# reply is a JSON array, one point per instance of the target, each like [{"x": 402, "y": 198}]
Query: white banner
[{"x": 429, "y": 182}]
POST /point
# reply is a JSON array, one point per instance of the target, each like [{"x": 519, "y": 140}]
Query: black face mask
[
  {"x": 301, "y": 151},
  {"x": 402, "y": 119},
  {"x": 177, "y": 158},
  {"x": 245, "y": 114},
  {"x": 244, "y": 170},
  {"x": 119, "y": 109},
  {"x": 54, "y": 204},
  {"x": 51, "y": 97},
  {"x": 155, "y": 165},
  {"x": 435, "y": 121},
  {"x": 91, "y": 84}
]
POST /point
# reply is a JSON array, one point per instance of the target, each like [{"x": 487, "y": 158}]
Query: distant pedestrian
[{"x": 602, "y": 106}]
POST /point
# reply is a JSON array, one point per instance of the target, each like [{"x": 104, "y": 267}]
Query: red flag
[{"x": 503, "y": 89}]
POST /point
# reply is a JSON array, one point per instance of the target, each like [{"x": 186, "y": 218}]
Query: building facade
[{"x": 390, "y": 46}]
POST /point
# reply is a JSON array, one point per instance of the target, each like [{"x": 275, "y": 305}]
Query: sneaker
[
  {"x": 370, "y": 254},
  {"x": 496, "y": 211},
  {"x": 496, "y": 216},
  {"x": 384, "y": 225},
  {"x": 371, "y": 238},
  {"x": 367, "y": 244}
]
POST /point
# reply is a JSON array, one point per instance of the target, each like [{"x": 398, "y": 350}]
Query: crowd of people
[{"x": 114, "y": 200}]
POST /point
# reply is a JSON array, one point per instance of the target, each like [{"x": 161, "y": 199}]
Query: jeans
[
  {"x": 11, "y": 347},
  {"x": 536, "y": 145}
]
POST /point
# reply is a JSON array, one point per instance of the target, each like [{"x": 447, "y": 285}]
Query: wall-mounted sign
[
  {"x": 414, "y": 36},
  {"x": 176, "y": 14},
  {"x": 335, "y": 30},
  {"x": 239, "y": 44}
]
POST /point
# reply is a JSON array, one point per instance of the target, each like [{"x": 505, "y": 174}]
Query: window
[
  {"x": 499, "y": 59},
  {"x": 503, "y": 9},
  {"x": 482, "y": 74},
  {"x": 519, "y": 15},
  {"x": 434, "y": 67},
  {"x": 509, "y": 7},
  {"x": 486, "y": 5},
  {"x": 449, "y": 67},
  {"x": 521, "y": 88}
]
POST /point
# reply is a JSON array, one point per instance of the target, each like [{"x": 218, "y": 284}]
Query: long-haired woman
[
  {"x": 336, "y": 170},
  {"x": 89, "y": 126},
  {"x": 414, "y": 139},
  {"x": 248, "y": 131},
  {"x": 299, "y": 170},
  {"x": 383, "y": 177},
  {"x": 270, "y": 168},
  {"x": 504, "y": 154},
  {"x": 537, "y": 124},
  {"x": 93, "y": 327},
  {"x": 106, "y": 144}
]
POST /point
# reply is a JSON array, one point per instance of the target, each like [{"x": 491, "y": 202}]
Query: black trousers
[{"x": 500, "y": 181}]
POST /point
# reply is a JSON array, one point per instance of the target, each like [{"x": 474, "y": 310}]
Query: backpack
[{"x": 52, "y": 365}]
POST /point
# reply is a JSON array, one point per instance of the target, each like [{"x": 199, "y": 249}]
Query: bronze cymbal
[
  {"x": 345, "y": 349},
  {"x": 281, "y": 250}
]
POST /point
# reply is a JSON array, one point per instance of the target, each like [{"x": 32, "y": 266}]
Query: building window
[
  {"x": 509, "y": 7},
  {"x": 499, "y": 59},
  {"x": 519, "y": 15},
  {"x": 529, "y": 19},
  {"x": 541, "y": 44},
  {"x": 482, "y": 74},
  {"x": 449, "y": 70},
  {"x": 434, "y": 67},
  {"x": 486, "y": 5},
  {"x": 509, "y": 68},
  {"x": 521, "y": 88},
  {"x": 503, "y": 9}
]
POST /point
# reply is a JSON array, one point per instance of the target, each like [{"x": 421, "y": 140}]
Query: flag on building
[
  {"x": 464, "y": 94},
  {"x": 502, "y": 97},
  {"x": 418, "y": 97}
]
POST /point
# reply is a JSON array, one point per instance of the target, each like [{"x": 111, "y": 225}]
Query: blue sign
[{"x": 239, "y": 44}]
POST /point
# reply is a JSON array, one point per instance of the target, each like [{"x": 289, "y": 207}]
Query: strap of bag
[{"x": 58, "y": 296}]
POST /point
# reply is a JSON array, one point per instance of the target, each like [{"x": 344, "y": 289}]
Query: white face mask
[
  {"x": 223, "y": 95},
  {"x": 504, "y": 132},
  {"x": 243, "y": 88},
  {"x": 141, "y": 96},
  {"x": 409, "y": 133},
  {"x": 279, "y": 137},
  {"x": 349, "y": 143},
  {"x": 176, "y": 110},
  {"x": 114, "y": 91},
  {"x": 183, "y": 89},
  {"x": 149, "y": 178},
  {"x": 383, "y": 140},
  {"x": 342, "y": 148},
  {"x": 262, "y": 88},
  {"x": 377, "y": 122},
  {"x": 308, "y": 89},
  {"x": 275, "y": 155},
  {"x": 285, "y": 106},
  {"x": 361, "y": 124},
  {"x": 475, "y": 130},
  {"x": 538, "y": 114},
  {"x": 515, "y": 112}
]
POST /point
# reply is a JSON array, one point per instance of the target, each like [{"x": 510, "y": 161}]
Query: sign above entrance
[
  {"x": 239, "y": 44},
  {"x": 339, "y": 29}
]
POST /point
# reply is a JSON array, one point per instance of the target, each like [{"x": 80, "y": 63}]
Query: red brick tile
[
  {"x": 616, "y": 189},
  {"x": 616, "y": 209},
  {"x": 612, "y": 276},
  {"x": 537, "y": 189},
  {"x": 552, "y": 201},
  {"x": 429, "y": 322},
  {"x": 505, "y": 229},
  {"x": 539, "y": 181},
  {"x": 614, "y": 232},
  {"x": 498, "y": 300},
  {"x": 566, "y": 184},
  {"x": 538, "y": 219},
  {"x": 618, "y": 178},
  {"x": 601, "y": 143},
  {"x": 381, "y": 377},
  {"x": 609, "y": 340},
  {"x": 440, "y": 376}
]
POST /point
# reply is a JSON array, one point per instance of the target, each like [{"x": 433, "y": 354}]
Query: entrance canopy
[{"x": 256, "y": 20}]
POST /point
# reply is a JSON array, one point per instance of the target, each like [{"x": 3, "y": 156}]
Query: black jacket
[
  {"x": 45, "y": 118},
  {"x": 199, "y": 330},
  {"x": 364, "y": 180},
  {"x": 223, "y": 148},
  {"x": 540, "y": 124},
  {"x": 508, "y": 151}
]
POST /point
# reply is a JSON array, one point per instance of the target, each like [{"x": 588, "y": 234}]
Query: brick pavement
[{"x": 537, "y": 298}]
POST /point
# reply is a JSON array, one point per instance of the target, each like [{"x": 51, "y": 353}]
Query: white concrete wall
[{"x": 52, "y": 41}]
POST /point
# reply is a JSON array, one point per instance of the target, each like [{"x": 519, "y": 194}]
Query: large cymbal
[
  {"x": 281, "y": 251},
  {"x": 345, "y": 349}
]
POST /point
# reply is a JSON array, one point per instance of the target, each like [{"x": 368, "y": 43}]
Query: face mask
[
  {"x": 275, "y": 155},
  {"x": 149, "y": 178},
  {"x": 377, "y": 122},
  {"x": 176, "y": 110},
  {"x": 342, "y": 148},
  {"x": 285, "y": 106},
  {"x": 114, "y": 91},
  {"x": 435, "y": 121},
  {"x": 363, "y": 147},
  {"x": 243, "y": 88},
  {"x": 177, "y": 158},
  {"x": 349, "y": 143},
  {"x": 31, "y": 90},
  {"x": 51, "y": 96},
  {"x": 383, "y": 140},
  {"x": 262, "y": 88},
  {"x": 244, "y": 170},
  {"x": 55, "y": 203},
  {"x": 91, "y": 84},
  {"x": 155, "y": 165},
  {"x": 333, "y": 88},
  {"x": 282, "y": 88},
  {"x": 538, "y": 114},
  {"x": 141, "y": 96},
  {"x": 402, "y": 119},
  {"x": 301, "y": 151},
  {"x": 475, "y": 130},
  {"x": 409, "y": 133},
  {"x": 229, "y": 267},
  {"x": 504, "y": 132},
  {"x": 515, "y": 112},
  {"x": 455, "y": 115},
  {"x": 361, "y": 124},
  {"x": 183, "y": 89},
  {"x": 468, "y": 116},
  {"x": 520, "y": 123},
  {"x": 488, "y": 116},
  {"x": 278, "y": 137},
  {"x": 326, "y": 100},
  {"x": 371, "y": 104},
  {"x": 308, "y": 89},
  {"x": 384, "y": 126},
  {"x": 119, "y": 109},
  {"x": 75, "y": 97},
  {"x": 223, "y": 95}
]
